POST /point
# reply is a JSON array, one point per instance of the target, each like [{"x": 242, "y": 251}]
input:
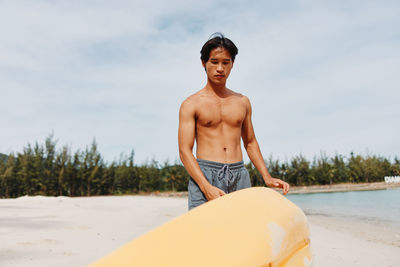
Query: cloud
[{"x": 320, "y": 75}]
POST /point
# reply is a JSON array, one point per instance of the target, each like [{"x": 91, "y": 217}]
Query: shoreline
[
  {"x": 309, "y": 189},
  {"x": 344, "y": 187}
]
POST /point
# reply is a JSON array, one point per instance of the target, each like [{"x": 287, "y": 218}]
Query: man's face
[{"x": 219, "y": 65}]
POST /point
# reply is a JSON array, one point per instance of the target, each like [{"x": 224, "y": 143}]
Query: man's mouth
[{"x": 219, "y": 76}]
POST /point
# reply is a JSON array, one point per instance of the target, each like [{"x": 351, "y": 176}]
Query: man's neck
[{"x": 218, "y": 89}]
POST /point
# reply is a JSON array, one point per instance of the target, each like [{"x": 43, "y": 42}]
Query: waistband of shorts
[{"x": 219, "y": 165}]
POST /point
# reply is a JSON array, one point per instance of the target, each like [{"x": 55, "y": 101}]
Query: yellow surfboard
[{"x": 251, "y": 227}]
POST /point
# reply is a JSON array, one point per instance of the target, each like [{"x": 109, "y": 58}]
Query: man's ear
[{"x": 204, "y": 65}]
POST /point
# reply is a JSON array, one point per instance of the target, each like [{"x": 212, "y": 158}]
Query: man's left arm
[{"x": 253, "y": 150}]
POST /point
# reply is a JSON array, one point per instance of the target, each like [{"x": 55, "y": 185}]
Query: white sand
[{"x": 61, "y": 231}]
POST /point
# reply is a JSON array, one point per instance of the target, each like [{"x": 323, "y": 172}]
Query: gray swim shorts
[{"x": 227, "y": 177}]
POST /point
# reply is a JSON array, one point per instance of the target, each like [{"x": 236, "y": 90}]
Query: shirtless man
[{"x": 217, "y": 118}]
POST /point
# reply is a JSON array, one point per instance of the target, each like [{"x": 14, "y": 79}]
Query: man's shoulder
[
  {"x": 191, "y": 101},
  {"x": 240, "y": 96},
  {"x": 194, "y": 98}
]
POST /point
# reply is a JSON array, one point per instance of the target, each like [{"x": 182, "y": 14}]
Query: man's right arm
[{"x": 186, "y": 137}]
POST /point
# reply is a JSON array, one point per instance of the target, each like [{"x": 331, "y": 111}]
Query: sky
[{"x": 322, "y": 76}]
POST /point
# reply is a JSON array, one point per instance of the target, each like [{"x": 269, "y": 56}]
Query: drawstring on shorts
[{"x": 228, "y": 176}]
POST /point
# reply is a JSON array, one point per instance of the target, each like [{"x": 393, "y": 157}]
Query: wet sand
[{"x": 63, "y": 231}]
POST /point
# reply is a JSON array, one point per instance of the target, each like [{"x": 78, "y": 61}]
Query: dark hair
[{"x": 218, "y": 40}]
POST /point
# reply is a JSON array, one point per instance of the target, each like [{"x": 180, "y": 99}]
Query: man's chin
[{"x": 219, "y": 81}]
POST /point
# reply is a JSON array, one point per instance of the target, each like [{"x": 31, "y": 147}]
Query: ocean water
[{"x": 374, "y": 206}]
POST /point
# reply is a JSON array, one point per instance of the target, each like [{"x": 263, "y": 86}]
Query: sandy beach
[{"x": 63, "y": 231}]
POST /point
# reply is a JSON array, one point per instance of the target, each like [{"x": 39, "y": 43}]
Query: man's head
[
  {"x": 217, "y": 57},
  {"x": 218, "y": 40}
]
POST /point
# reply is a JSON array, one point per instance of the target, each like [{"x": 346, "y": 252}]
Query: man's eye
[{"x": 214, "y": 62}]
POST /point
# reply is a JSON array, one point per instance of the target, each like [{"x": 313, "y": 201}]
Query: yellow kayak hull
[{"x": 251, "y": 227}]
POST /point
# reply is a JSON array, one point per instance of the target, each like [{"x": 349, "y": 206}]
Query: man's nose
[{"x": 220, "y": 68}]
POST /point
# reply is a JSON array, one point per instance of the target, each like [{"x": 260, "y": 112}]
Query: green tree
[
  {"x": 375, "y": 168},
  {"x": 274, "y": 167},
  {"x": 322, "y": 171},
  {"x": 133, "y": 173},
  {"x": 108, "y": 185},
  {"x": 62, "y": 171},
  {"x": 339, "y": 169},
  {"x": 49, "y": 179},
  {"x": 255, "y": 177},
  {"x": 355, "y": 166},
  {"x": 11, "y": 185},
  {"x": 3, "y": 158},
  {"x": 122, "y": 182},
  {"x": 299, "y": 171},
  {"x": 174, "y": 176},
  {"x": 395, "y": 167},
  {"x": 149, "y": 177},
  {"x": 75, "y": 170},
  {"x": 92, "y": 169}
]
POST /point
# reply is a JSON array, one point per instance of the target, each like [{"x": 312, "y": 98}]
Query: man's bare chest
[{"x": 214, "y": 113}]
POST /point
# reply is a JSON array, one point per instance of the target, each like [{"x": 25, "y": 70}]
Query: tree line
[{"x": 42, "y": 169}]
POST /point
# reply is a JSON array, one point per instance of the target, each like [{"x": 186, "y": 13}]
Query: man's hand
[
  {"x": 212, "y": 192},
  {"x": 278, "y": 183}
]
